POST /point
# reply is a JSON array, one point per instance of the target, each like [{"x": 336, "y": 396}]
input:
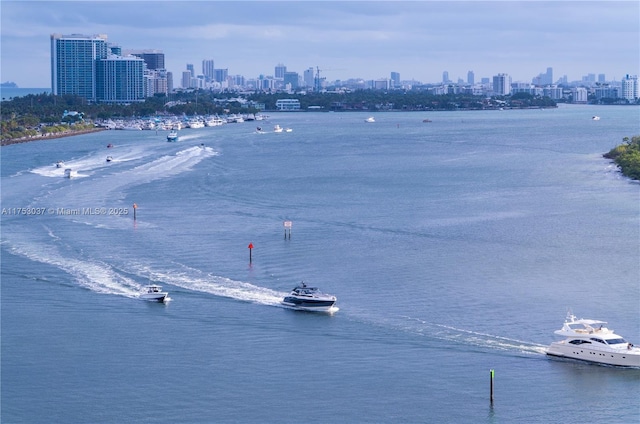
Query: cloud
[{"x": 368, "y": 39}]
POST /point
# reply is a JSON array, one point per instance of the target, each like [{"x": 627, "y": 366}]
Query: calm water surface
[{"x": 454, "y": 247}]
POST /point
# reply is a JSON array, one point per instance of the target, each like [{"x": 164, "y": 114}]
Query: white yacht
[
  {"x": 154, "y": 293},
  {"x": 595, "y": 118},
  {"x": 306, "y": 298},
  {"x": 590, "y": 340}
]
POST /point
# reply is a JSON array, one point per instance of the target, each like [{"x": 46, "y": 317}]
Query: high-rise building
[
  {"x": 308, "y": 77},
  {"x": 153, "y": 58},
  {"x": 445, "y": 77},
  {"x": 191, "y": 69},
  {"x": 395, "y": 79},
  {"x": 291, "y": 78},
  {"x": 73, "y": 63},
  {"x": 120, "y": 79},
  {"x": 280, "y": 71},
  {"x": 186, "y": 79},
  {"x": 502, "y": 84},
  {"x": 220, "y": 75},
  {"x": 470, "y": 78},
  {"x": 208, "y": 70},
  {"x": 630, "y": 88}
]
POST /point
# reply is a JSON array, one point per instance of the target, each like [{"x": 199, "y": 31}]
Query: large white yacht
[
  {"x": 306, "y": 298},
  {"x": 590, "y": 340}
]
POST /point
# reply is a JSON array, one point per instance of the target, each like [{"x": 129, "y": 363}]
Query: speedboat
[
  {"x": 70, "y": 173},
  {"x": 306, "y": 298},
  {"x": 59, "y": 164},
  {"x": 172, "y": 136},
  {"x": 370, "y": 120},
  {"x": 278, "y": 129},
  {"x": 590, "y": 340},
  {"x": 109, "y": 158},
  {"x": 595, "y": 118},
  {"x": 154, "y": 293}
]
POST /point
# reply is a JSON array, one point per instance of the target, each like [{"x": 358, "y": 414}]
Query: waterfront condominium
[
  {"x": 120, "y": 79},
  {"x": 73, "y": 63}
]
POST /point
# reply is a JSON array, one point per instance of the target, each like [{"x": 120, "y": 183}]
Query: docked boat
[
  {"x": 306, "y": 298},
  {"x": 154, "y": 293},
  {"x": 370, "y": 120},
  {"x": 590, "y": 340},
  {"x": 172, "y": 136}
]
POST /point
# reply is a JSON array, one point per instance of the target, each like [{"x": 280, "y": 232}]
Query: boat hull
[
  {"x": 618, "y": 357},
  {"x": 157, "y": 297},
  {"x": 309, "y": 304}
]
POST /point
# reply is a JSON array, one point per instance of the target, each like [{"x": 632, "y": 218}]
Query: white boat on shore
[
  {"x": 590, "y": 340},
  {"x": 154, "y": 293}
]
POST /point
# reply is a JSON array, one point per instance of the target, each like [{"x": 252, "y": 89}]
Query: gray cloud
[{"x": 419, "y": 39}]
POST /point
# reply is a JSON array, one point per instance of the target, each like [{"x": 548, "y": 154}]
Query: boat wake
[
  {"x": 93, "y": 275},
  {"x": 198, "y": 281},
  {"x": 473, "y": 338}
]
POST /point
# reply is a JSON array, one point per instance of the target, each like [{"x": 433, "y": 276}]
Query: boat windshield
[{"x": 616, "y": 341}]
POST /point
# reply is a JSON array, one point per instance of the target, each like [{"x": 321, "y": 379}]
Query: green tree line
[{"x": 627, "y": 157}]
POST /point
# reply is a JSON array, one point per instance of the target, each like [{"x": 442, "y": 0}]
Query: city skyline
[{"x": 356, "y": 39}]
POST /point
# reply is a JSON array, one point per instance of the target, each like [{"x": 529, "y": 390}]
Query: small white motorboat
[
  {"x": 306, "y": 298},
  {"x": 172, "y": 136},
  {"x": 109, "y": 158},
  {"x": 154, "y": 293},
  {"x": 589, "y": 340},
  {"x": 59, "y": 164},
  {"x": 278, "y": 129},
  {"x": 70, "y": 173},
  {"x": 370, "y": 120},
  {"x": 595, "y": 118}
]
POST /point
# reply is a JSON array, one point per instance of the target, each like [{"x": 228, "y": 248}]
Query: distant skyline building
[
  {"x": 445, "y": 77},
  {"x": 208, "y": 70},
  {"x": 395, "y": 80},
  {"x": 291, "y": 78},
  {"x": 308, "y": 77},
  {"x": 191, "y": 69},
  {"x": 153, "y": 58},
  {"x": 73, "y": 63},
  {"x": 220, "y": 75},
  {"x": 470, "y": 78},
  {"x": 630, "y": 88},
  {"x": 502, "y": 84},
  {"x": 280, "y": 71}
]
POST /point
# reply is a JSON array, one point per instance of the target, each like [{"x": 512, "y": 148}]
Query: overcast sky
[{"x": 345, "y": 39}]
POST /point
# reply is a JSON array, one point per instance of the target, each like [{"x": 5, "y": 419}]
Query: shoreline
[{"x": 48, "y": 137}]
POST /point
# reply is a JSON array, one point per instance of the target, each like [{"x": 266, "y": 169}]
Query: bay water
[{"x": 454, "y": 247}]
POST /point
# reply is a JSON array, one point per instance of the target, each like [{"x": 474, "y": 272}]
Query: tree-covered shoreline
[{"x": 627, "y": 157}]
